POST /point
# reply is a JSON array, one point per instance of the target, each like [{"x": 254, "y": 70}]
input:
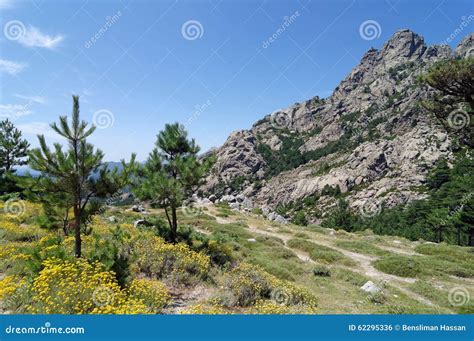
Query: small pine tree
[
  {"x": 13, "y": 148},
  {"x": 74, "y": 176},
  {"x": 13, "y": 152},
  {"x": 172, "y": 172}
]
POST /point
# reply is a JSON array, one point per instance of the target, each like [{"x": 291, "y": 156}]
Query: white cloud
[
  {"x": 6, "y": 4},
  {"x": 35, "y": 99},
  {"x": 33, "y": 37},
  {"x": 13, "y": 110},
  {"x": 10, "y": 67},
  {"x": 38, "y": 128}
]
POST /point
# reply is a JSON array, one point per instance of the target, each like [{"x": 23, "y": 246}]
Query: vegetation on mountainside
[
  {"x": 453, "y": 103},
  {"x": 446, "y": 215},
  {"x": 448, "y": 212},
  {"x": 214, "y": 260}
]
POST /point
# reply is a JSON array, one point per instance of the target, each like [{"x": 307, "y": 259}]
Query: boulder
[
  {"x": 229, "y": 198},
  {"x": 138, "y": 208},
  {"x": 370, "y": 288},
  {"x": 205, "y": 201},
  {"x": 279, "y": 219},
  {"x": 142, "y": 222},
  {"x": 247, "y": 204}
]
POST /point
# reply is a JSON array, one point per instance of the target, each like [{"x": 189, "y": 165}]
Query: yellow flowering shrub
[
  {"x": 10, "y": 249},
  {"x": 250, "y": 283},
  {"x": 265, "y": 307},
  {"x": 8, "y": 286},
  {"x": 87, "y": 244},
  {"x": 151, "y": 292},
  {"x": 14, "y": 231},
  {"x": 201, "y": 309},
  {"x": 78, "y": 287},
  {"x": 156, "y": 258},
  {"x": 18, "y": 210}
]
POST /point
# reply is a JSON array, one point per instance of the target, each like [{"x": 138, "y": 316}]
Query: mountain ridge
[{"x": 370, "y": 138}]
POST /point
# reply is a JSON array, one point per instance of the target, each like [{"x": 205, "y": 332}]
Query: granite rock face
[{"x": 371, "y": 137}]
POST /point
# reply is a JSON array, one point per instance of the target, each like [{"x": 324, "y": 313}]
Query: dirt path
[
  {"x": 185, "y": 297},
  {"x": 364, "y": 262}
]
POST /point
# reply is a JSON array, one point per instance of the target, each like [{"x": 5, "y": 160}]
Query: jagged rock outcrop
[{"x": 370, "y": 138}]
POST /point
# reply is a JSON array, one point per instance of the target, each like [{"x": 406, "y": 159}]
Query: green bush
[
  {"x": 361, "y": 247},
  {"x": 322, "y": 271},
  {"x": 399, "y": 266},
  {"x": 351, "y": 277},
  {"x": 300, "y": 219},
  {"x": 319, "y": 253}
]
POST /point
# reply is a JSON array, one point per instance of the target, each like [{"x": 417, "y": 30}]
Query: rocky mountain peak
[
  {"x": 369, "y": 139},
  {"x": 404, "y": 44},
  {"x": 466, "y": 47}
]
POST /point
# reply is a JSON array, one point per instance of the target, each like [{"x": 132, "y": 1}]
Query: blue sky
[{"x": 208, "y": 64}]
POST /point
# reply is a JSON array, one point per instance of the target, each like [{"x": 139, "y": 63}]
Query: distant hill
[{"x": 23, "y": 170}]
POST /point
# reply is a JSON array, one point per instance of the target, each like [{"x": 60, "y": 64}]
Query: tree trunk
[
  {"x": 471, "y": 237},
  {"x": 174, "y": 228},
  {"x": 66, "y": 223},
  {"x": 77, "y": 227}
]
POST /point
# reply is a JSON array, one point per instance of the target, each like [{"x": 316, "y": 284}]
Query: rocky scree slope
[{"x": 370, "y": 138}]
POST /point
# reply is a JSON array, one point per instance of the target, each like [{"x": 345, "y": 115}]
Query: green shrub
[
  {"x": 361, "y": 247},
  {"x": 399, "y": 266},
  {"x": 351, "y": 277},
  {"x": 319, "y": 253},
  {"x": 322, "y": 271},
  {"x": 300, "y": 219}
]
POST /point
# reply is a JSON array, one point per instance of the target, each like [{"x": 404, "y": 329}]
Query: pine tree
[
  {"x": 13, "y": 148},
  {"x": 453, "y": 81},
  {"x": 172, "y": 173},
  {"x": 74, "y": 176}
]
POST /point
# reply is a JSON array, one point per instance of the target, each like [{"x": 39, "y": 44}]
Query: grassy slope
[
  {"x": 292, "y": 252},
  {"x": 417, "y": 278}
]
